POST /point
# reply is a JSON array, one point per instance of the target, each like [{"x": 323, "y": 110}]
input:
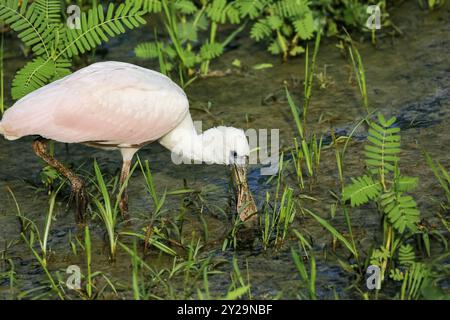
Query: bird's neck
[{"x": 185, "y": 143}]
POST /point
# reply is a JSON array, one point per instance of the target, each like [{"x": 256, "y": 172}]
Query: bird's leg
[
  {"x": 127, "y": 156},
  {"x": 77, "y": 184},
  {"x": 123, "y": 204}
]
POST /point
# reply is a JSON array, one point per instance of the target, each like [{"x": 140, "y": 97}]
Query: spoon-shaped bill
[{"x": 245, "y": 204}]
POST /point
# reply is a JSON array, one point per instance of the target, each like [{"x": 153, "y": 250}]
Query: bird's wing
[{"x": 111, "y": 103}]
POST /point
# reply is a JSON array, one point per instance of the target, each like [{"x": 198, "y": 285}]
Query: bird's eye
[{"x": 234, "y": 154}]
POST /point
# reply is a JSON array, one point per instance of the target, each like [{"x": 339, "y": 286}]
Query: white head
[
  {"x": 220, "y": 145},
  {"x": 225, "y": 145}
]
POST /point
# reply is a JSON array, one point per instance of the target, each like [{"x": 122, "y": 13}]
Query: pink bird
[{"x": 116, "y": 105}]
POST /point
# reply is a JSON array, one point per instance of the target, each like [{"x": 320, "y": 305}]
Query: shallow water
[{"x": 407, "y": 76}]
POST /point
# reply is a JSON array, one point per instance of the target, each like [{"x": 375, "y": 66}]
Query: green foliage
[
  {"x": 284, "y": 24},
  {"x": 184, "y": 52},
  {"x": 277, "y": 218},
  {"x": 185, "y": 6},
  {"x": 401, "y": 211},
  {"x": 209, "y": 51},
  {"x": 306, "y": 151},
  {"x": 309, "y": 279},
  {"x": 151, "y": 50},
  {"x": 152, "y": 6},
  {"x": 362, "y": 190},
  {"x": 350, "y": 246},
  {"x": 41, "y": 27},
  {"x": 405, "y": 183},
  {"x": 250, "y": 8},
  {"x": 97, "y": 26},
  {"x": 440, "y": 173},
  {"x": 106, "y": 210},
  {"x": 280, "y": 23},
  {"x": 379, "y": 255},
  {"x": 38, "y": 73},
  {"x": 415, "y": 276},
  {"x": 220, "y": 11},
  {"x": 414, "y": 279},
  {"x": 383, "y": 147},
  {"x": 384, "y": 185},
  {"x": 381, "y": 153},
  {"x": 406, "y": 255}
]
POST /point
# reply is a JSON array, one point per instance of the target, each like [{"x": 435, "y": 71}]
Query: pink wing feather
[{"x": 107, "y": 102}]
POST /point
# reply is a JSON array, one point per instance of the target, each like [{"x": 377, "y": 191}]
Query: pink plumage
[{"x": 113, "y": 103}]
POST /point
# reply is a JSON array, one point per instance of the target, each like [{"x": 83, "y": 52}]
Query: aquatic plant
[
  {"x": 278, "y": 214},
  {"x": 387, "y": 188},
  {"x": 349, "y": 245},
  {"x": 108, "y": 209},
  {"x": 238, "y": 286},
  {"x": 441, "y": 175},
  {"x": 54, "y": 285},
  {"x": 88, "y": 250},
  {"x": 150, "y": 186},
  {"x": 305, "y": 154},
  {"x": 285, "y": 25},
  {"x": 360, "y": 74},
  {"x": 36, "y": 234},
  {"x": 183, "y": 21},
  {"x": 281, "y": 23},
  {"x": 385, "y": 185},
  {"x": 152, "y": 237},
  {"x": 309, "y": 279},
  {"x": 42, "y": 238},
  {"x": 54, "y": 43},
  {"x": 381, "y": 153},
  {"x": 307, "y": 150}
]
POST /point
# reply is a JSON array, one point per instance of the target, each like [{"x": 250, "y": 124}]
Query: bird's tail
[{"x": 5, "y": 134}]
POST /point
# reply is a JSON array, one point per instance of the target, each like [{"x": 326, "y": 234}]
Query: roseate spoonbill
[{"x": 116, "y": 105}]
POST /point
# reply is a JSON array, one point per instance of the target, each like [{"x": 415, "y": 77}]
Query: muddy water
[{"x": 407, "y": 76}]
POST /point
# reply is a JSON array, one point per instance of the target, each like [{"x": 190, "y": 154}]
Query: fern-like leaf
[
  {"x": 250, "y": 8},
  {"x": 304, "y": 26},
  {"x": 260, "y": 30},
  {"x": 50, "y": 9},
  {"x": 32, "y": 76},
  {"x": 384, "y": 145},
  {"x": 406, "y": 255},
  {"x": 187, "y": 31},
  {"x": 151, "y": 6},
  {"x": 405, "y": 183},
  {"x": 190, "y": 58},
  {"x": 274, "y": 48},
  {"x": 209, "y": 51},
  {"x": 220, "y": 11},
  {"x": 147, "y": 50},
  {"x": 401, "y": 210},
  {"x": 296, "y": 50},
  {"x": 361, "y": 190},
  {"x": 274, "y": 22},
  {"x": 152, "y": 50},
  {"x": 185, "y": 6},
  {"x": 96, "y": 27},
  {"x": 290, "y": 8},
  {"x": 29, "y": 23}
]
